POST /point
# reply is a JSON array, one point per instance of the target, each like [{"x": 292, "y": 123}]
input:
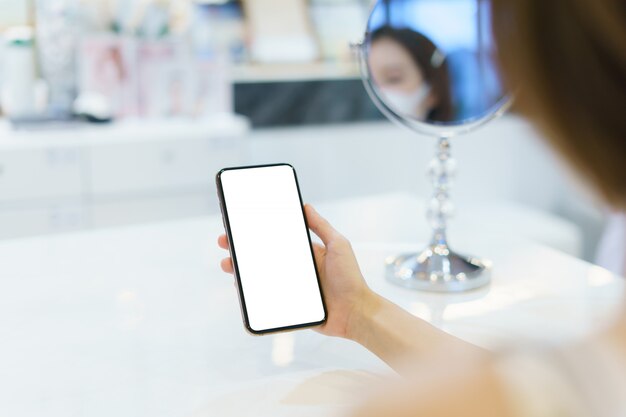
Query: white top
[{"x": 612, "y": 248}]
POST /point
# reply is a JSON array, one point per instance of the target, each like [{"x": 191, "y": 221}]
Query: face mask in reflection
[{"x": 409, "y": 104}]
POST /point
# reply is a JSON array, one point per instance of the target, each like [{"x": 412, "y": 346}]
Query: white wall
[{"x": 503, "y": 160}]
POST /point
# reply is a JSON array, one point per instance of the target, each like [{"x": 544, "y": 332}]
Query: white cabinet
[
  {"x": 147, "y": 167},
  {"x": 129, "y": 168},
  {"x": 122, "y": 173},
  {"x": 149, "y": 209},
  {"x": 149, "y": 181},
  {"x": 44, "y": 218},
  {"x": 40, "y": 173}
]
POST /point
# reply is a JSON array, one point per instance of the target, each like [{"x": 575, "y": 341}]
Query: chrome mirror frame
[{"x": 437, "y": 268}]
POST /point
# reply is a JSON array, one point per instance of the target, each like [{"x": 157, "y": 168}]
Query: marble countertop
[{"x": 140, "y": 321}]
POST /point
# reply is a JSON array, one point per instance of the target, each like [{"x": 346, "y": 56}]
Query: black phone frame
[{"x": 231, "y": 245}]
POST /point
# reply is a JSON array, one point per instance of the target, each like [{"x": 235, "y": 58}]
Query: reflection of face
[
  {"x": 399, "y": 77},
  {"x": 393, "y": 67}
]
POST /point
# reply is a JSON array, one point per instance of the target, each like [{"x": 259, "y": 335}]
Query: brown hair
[
  {"x": 566, "y": 60},
  {"x": 421, "y": 49}
]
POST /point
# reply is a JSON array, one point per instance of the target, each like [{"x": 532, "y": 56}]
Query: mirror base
[{"x": 438, "y": 269}]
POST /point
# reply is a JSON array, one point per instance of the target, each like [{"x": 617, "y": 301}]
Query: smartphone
[{"x": 270, "y": 245}]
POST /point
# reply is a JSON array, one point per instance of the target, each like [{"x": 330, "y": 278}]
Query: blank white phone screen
[{"x": 271, "y": 246}]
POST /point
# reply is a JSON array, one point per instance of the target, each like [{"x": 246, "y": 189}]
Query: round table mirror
[{"x": 430, "y": 65}]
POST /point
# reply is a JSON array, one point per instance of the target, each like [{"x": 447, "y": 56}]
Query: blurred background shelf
[
  {"x": 167, "y": 69},
  {"x": 289, "y": 72}
]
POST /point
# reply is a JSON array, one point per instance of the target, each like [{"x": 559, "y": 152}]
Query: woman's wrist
[
  {"x": 394, "y": 335},
  {"x": 361, "y": 315}
]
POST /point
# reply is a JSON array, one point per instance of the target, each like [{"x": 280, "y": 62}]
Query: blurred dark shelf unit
[{"x": 304, "y": 102}]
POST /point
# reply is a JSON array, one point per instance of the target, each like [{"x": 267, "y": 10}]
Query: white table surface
[{"x": 140, "y": 321}]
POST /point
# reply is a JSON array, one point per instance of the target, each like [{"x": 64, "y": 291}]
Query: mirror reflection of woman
[
  {"x": 411, "y": 73},
  {"x": 569, "y": 61}
]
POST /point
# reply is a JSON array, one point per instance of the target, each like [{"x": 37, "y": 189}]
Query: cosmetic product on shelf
[
  {"x": 19, "y": 81},
  {"x": 56, "y": 32}
]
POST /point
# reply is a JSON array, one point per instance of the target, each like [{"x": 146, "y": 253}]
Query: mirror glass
[{"x": 433, "y": 63}]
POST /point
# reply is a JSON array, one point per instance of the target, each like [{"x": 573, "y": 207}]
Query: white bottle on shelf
[{"x": 19, "y": 75}]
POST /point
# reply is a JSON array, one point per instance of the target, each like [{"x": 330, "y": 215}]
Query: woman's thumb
[{"x": 319, "y": 225}]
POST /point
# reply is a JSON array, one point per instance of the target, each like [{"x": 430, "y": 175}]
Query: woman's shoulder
[{"x": 587, "y": 379}]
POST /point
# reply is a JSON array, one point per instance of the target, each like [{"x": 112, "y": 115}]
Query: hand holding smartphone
[{"x": 277, "y": 279}]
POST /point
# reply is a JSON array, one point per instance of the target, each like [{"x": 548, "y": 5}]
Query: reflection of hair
[
  {"x": 569, "y": 61},
  {"x": 431, "y": 63}
]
